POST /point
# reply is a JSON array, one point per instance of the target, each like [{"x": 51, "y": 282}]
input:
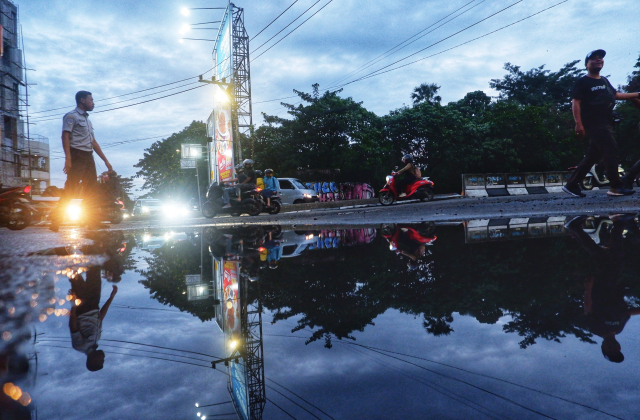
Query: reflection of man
[
  {"x": 85, "y": 322},
  {"x": 410, "y": 248},
  {"x": 604, "y": 305}
]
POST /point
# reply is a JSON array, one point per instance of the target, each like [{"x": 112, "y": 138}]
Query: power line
[
  {"x": 294, "y": 30},
  {"x": 138, "y": 103},
  {"x": 273, "y": 21},
  {"x": 379, "y": 72},
  {"x": 287, "y": 389},
  {"x": 127, "y": 100},
  {"x": 383, "y": 55},
  {"x": 131, "y": 93},
  {"x": 291, "y": 23}
]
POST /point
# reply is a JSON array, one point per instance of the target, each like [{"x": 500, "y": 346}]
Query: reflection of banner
[
  {"x": 239, "y": 388},
  {"x": 230, "y": 297}
]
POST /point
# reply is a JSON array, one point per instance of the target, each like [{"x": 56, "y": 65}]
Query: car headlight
[
  {"x": 145, "y": 209},
  {"x": 306, "y": 195},
  {"x": 125, "y": 215},
  {"x": 74, "y": 212}
]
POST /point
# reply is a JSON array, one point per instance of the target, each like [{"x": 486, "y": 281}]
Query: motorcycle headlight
[
  {"x": 74, "y": 212},
  {"x": 388, "y": 178}
]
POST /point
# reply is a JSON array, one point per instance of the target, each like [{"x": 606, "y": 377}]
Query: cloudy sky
[{"x": 122, "y": 46}]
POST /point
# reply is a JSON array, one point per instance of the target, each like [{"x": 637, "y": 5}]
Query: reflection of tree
[
  {"x": 538, "y": 283},
  {"x": 165, "y": 277}
]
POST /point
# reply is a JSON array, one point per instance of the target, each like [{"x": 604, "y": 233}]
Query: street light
[{"x": 185, "y": 11}]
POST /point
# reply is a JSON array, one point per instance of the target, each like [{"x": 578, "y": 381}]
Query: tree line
[{"x": 527, "y": 127}]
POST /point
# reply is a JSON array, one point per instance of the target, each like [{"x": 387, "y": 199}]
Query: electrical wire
[
  {"x": 254, "y": 37},
  {"x": 278, "y": 392},
  {"x": 291, "y": 23},
  {"x": 263, "y": 52},
  {"x": 131, "y": 93},
  {"x": 382, "y": 56},
  {"x": 312, "y": 405},
  {"x": 113, "y": 144},
  {"x": 137, "y": 103}
]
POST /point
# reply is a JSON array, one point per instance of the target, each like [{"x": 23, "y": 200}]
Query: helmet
[
  {"x": 258, "y": 174},
  {"x": 239, "y": 167},
  {"x": 268, "y": 171},
  {"x": 247, "y": 162},
  {"x": 407, "y": 158}
]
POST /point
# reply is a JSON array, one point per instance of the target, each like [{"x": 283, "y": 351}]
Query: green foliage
[{"x": 160, "y": 166}]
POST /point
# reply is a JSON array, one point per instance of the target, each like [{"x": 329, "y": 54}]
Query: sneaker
[
  {"x": 402, "y": 195},
  {"x": 227, "y": 206},
  {"x": 620, "y": 191},
  {"x": 575, "y": 222},
  {"x": 573, "y": 190},
  {"x": 626, "y": 183}
]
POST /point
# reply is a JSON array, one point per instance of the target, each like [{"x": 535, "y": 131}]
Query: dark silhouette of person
[
  {"x": 85, "y": 321},
  {"x": 604, "y": 305}
]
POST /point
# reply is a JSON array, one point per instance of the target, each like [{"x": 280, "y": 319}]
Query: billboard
[
  {"x": 224, "y": 48},
  {"x": 223, "y": 137}
]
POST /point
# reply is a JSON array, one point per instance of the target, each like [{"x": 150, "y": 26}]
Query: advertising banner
[
  {"x": 223, "y": 142},
  {"x": 223, "y": 49},
  {"x": 230, "y": 298}
]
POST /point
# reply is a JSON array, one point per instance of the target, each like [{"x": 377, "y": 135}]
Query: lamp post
[{"x": 189, "y": 160}]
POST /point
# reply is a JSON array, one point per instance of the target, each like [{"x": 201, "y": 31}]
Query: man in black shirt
[{"x": 593, "y": 99}]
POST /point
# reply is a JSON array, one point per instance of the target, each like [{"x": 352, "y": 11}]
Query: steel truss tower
[
  {"x": 242, "y": 112},
  {"x": 253, "y": 357}
]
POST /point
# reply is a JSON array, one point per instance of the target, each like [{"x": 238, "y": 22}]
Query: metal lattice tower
[
  {"x": 241, "y": 78},
  {"x": 254, "y": 358}
]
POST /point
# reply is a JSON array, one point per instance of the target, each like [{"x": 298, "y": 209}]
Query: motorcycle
[
  {"x": 596, "y": 177},
  {"x": 16, "y": 212},
  {"x": 247, "y": 200},
  {"x": 276, "y": 204},
  {"x": 421, "y": 189}
]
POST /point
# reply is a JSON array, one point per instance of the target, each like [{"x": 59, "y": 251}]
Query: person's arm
[
  {"x": 275, "y": 180},
  {"x": 405, "y": 169},
  {"x": 66, "y": 145},
  {"x": 627, "y": 96},
  {"x": 575, "y": 108},
  {"x": 73, "y": 319},
  {"x": 98, "y": 150},
  {"x": 105, "y": 308}
]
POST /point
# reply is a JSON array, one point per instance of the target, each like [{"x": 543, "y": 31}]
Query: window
[
  {"x": 288, "y": 250},
  {"x": 285, "y": 185},
  {"x": 298, "y": 184}
]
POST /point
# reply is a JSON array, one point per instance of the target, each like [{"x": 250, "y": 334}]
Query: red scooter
[
  {"x": 421, "y": 189},
  {"x": 16, "y": 213}
]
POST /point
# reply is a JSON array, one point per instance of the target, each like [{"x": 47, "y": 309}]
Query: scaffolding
[
  {"x": 254, "y": 358},
  {"x": 241, "y": 77}
]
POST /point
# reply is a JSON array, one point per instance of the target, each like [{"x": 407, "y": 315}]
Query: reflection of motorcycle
[
  {"x": 597, "y": 178},
  {"x": 419, "y": 234},
  {"x": 247, "y": 200},
  {"x": 16, "y": 212},
  {"x": 421, "y": 189}
]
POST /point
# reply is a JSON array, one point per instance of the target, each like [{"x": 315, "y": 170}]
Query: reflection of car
[
  {"x": 150, "y": 241},
  {"x": 294, "y": 192},
  {"x": 292, "y": 244},
  {"x": 147, "y": 207}
]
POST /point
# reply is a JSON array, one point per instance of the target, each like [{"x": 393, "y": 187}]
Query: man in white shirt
[{"x": 85, "y": 321}]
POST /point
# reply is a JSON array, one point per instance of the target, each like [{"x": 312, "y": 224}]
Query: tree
[
  {"x": 537, "y": 86},
  {"x": 160, "y": 166},
  {"x": 426, "y": 93}
]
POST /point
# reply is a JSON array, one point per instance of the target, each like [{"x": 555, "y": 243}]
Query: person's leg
[
  {"x": 592, "y": 156},
  {"x": 630, "y": 176},
  {"x": 90, "y": 188},
  {"x": 225, "y": 195},
  {"x": 610, "y": 155}
]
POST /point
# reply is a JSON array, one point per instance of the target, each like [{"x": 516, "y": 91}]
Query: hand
[
  {"x": 67, "y": 165},
  {"x": 580, "y": 130},
  {"x": 109, "y": 167},
  {"x": 114, "y": 291}
]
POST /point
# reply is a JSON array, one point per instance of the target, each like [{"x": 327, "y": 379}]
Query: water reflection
[{"x": 346, "y": 290}]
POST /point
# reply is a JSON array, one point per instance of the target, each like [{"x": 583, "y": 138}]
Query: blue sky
[{"x": 118, "y": 47}]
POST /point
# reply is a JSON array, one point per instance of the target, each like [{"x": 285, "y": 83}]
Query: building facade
[{"x": 21, "y": 155}]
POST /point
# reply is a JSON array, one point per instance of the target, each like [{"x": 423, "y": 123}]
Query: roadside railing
[{"x": 498, "y": 185}]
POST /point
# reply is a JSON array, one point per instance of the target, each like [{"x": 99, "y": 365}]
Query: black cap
[{"x": 594, "y": 52}]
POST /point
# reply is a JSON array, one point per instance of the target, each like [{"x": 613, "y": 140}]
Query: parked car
[
  {"x": 147, "y": 207},
  {"x": 293, "y": 191}
]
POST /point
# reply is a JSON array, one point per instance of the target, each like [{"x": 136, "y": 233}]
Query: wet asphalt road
[{"x": 449, "y": 210}]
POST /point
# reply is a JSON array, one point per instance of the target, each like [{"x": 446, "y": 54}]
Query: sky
[{"x": 122, "y": 46}]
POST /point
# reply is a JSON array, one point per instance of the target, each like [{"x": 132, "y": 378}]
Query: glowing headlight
[
  {"x": 145, "y": 209},
  {"x": 306, "y": 195},
  {"x": 309, "y": 236},
  {"x": 73, "y": 212},
  {"x": 388, "y": 178},
  {"x": 146, "y": 237},
  {"x": 125, "y": 216}
]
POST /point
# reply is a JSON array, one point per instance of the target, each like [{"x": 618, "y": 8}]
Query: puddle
[{"x": 508, "y": 318}]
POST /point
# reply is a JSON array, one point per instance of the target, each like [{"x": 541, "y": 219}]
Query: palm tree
[{"x": 426, "y": 92}]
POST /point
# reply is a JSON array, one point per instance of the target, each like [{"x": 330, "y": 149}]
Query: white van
[{"x": 293, "y": 191}]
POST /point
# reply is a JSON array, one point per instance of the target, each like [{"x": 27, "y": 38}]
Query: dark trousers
[
  {"x": 632, "y": 173},
  {"x": 87, "y": 291},
  {"x": 82, "y": 182},
  {"x": 602, "y": 147},
  {"x": 404, "y": 180}
]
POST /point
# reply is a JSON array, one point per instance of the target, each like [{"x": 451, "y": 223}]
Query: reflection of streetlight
[
  {"x": 185, "y": 28},
  {"x": 185, "y": 11},
  {"x": 197, "y": 405}
]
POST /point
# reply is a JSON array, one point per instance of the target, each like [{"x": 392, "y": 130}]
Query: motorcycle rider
[
  {"x": 407, "y": 175},
  {"x": 271, "y": 185},
  {"x": 249, "y": 177}
]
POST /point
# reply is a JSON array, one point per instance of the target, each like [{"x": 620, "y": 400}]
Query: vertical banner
[{"x": 223, "y": 136}]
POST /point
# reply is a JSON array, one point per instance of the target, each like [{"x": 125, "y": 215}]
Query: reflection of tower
[
  {"x": 252, "y": 332},
  {"x": 241, "y": 322}
]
